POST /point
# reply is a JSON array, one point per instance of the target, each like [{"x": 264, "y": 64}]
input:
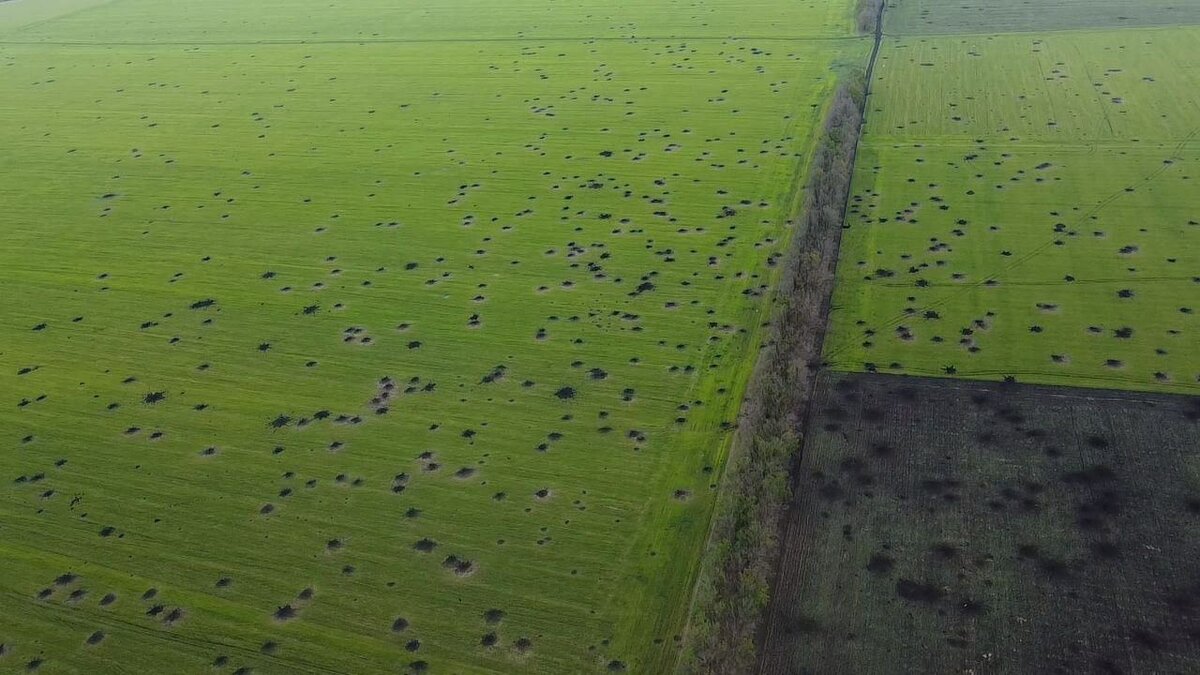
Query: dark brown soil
[{"x": 943, "y": 526}]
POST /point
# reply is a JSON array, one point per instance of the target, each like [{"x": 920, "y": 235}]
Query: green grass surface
[
  {"x": 414, "y": 21},
  {"x": 919, "y": 17},
  {"x": 199, "y": 238},
  {"x": 1027, "y": 205}
]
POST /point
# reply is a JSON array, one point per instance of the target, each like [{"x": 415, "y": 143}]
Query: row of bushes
[
  {"x": 868, "y": 13},
  {"x": 740, "y": 559}
]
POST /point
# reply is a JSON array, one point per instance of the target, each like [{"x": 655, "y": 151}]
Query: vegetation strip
[
  {"x": 732, "y": 591},
  {"x": 869, "y": 18}
]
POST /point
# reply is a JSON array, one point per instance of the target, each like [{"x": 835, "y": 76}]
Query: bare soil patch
[{"x": 971, "y": 527}]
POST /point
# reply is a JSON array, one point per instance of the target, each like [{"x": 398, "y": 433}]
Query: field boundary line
[
  {"x": 398, "y": 40},
  {"x": 1049, "y": 31},
  {"x": 1056, "y": 282},
  {"x": 1066, "y": 391}
]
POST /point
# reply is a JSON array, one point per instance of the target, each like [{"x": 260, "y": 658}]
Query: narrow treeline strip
[
  {"x": 740, "y": 559},
  {"x": 868, "y": 15}
]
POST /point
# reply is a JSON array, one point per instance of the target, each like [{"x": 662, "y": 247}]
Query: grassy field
[
  {"x": 382, "y": 337},
  {"x": 939, "y": 17},
  {"x": 991, "y": 528},
  {"x": 1026, "y": 206}
]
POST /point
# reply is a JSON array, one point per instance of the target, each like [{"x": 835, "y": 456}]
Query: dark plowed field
[{"x": 945, "y": 526}]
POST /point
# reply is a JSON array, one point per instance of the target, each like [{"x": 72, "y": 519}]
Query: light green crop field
[
  {"x": 135, "y": 22},
  {"x": 382, "y": 336},
  {"x": 1029, "y": 206},
  {"x": 939, "y": 17}
]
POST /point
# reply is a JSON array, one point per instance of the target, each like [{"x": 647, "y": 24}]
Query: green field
[
  {"x": 119, "y": 22},
  {"x": 940, "y": 17},
  {"x": 320, "y": 317},
  {"x": 1027, "y": 206}
]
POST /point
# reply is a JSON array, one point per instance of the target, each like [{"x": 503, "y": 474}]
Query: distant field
[
  {"x": 1131, "y": 87},
  {"x": 978, "y": 527},
  {"x": 1027, "y": 206},
  {"x": 314, "y": 22},
  {"x": 342, "y": 357},
  {"x": 914, "y": 17}
]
